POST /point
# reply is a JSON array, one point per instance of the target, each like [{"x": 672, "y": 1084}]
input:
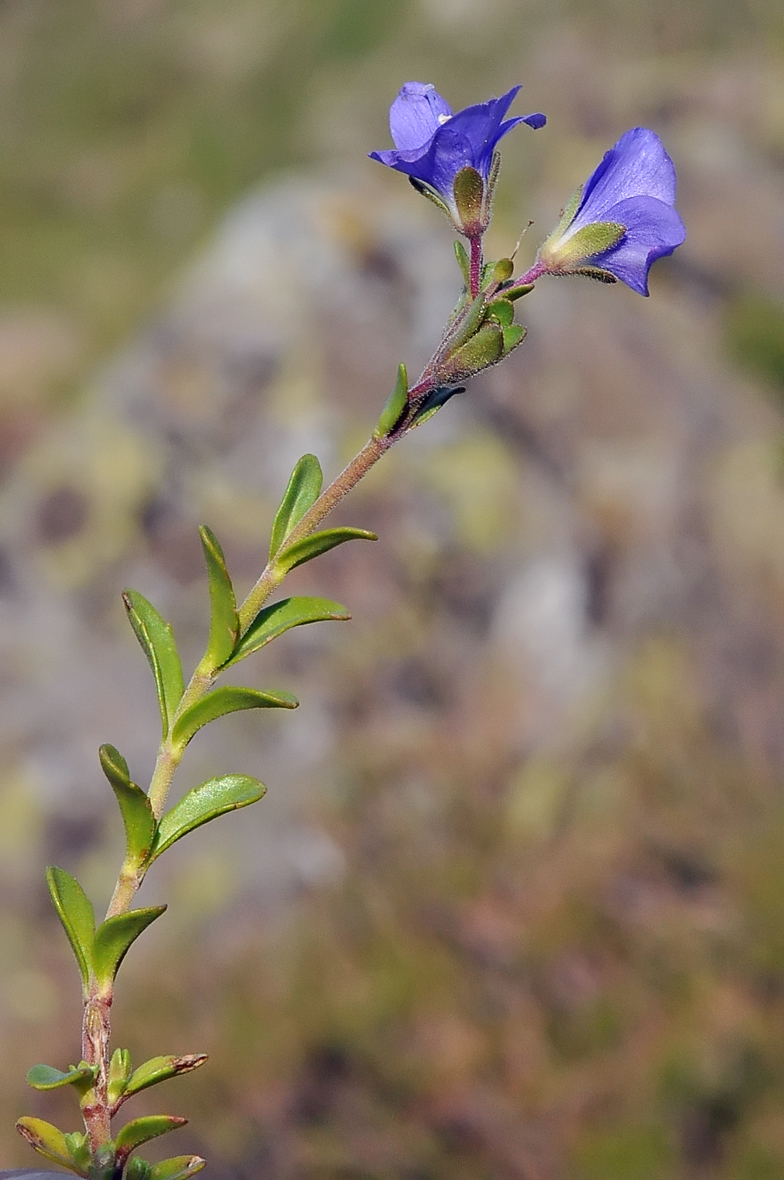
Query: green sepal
[
  {"x": 134, "y": 805},
  {"x": 142, "y": 1130},
  {"x": 502, "y": 311},
  {"x": 434, "y": 401},
  {"x": 160, "y": 1069},
  {"x": 224, "y": 623},
  {"x": 430, "y": 193},
  {"x": 461, "y": 254},
  {"x": 274, "y": 620},
  {"x": 567, "y": 213},
  {"x": 181, "y": 1167},
  {"x": 469, "y": 192},
  {"x": 114, "y": 937},
  {"x": 482, "y": 350},
  {"x": 226, "y": 700},
  {"x": 157, "y": 640},
  {"x": 395, "y": 405},
  {"x": 595, "y": 272},
  {"x": 513, "y": 335},
  {"x": 49, "y": 1142},
  {"x": 517, "y": 292},
  {"x": 46, "y": 1077},
  {"x": 304, "y": 488},
  {"x": 76, "y": 913},
  {"x": 589, "y": 241},
  {"x": 316, "y": 544},
  {"x": 203, "y": 803},
  {"x": 78, "y": 1144},
  {"x": 138, "y": 1169},
  {"x": 120, "y": 1070}
]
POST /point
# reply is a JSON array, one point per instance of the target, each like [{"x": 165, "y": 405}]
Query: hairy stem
[
  {"x": 475, "y": 271},
  {"x": 96, "y": 1029}
]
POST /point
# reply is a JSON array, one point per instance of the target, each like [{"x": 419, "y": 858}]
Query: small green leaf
[
  {"x": 179, "y": 1168},
  {"x": 226, "y": 700},
  {"x": 138, "y": 1169},
  {"x": 273, "y": 620},
  {"x": 76, "y": 913},
  {"x": 518, "y": 292},
  {"x": 134, "y": 805},
  {"x": 513, "y": 335},
  {"x": 431, "y": 195},
  {"x": 434, "y": 401},
  {"x": 461, "y": 254},
  {"x": 204, "y": 803},
  {"x": 46, "y": 1077},
  {"x": 141, "y": 1130},
  {"x": 467, "y": 323},
  {"x": 224, "y": 624},
  {"x": 318, "y": 543},
  {"x": 114, "y": 937},
  {"x": 49, "y": 1142},
  {"x": 120, "y": 1070},
  {"x": 485, "y": 348},
  {"x": 78, "y": 1144},
  {"x": 395, "y": 405},
  {"x": 503, "y": 270},
  {"x": 502, "y": 311},
  {"x": 160, "y": 1069},
  {"x": 157, "y": 640},
  {"x": 301, "y": 494}
]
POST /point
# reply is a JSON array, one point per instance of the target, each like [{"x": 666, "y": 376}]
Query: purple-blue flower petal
[
  {"x": 432, "y": 144},
  {"x": 653, "y": 230},
  {"x": 636, "y": 166},
  {"x": 416, "y": 114}
]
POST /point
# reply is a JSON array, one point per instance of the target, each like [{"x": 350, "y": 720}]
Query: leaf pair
[{"x": 100, "y": 952}]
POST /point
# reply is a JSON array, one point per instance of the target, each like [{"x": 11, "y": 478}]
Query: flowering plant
[{"x": 613, "y": 228}]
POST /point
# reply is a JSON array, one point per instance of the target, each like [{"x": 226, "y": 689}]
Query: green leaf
[
  {"x": 395, "y": 405},
  {"x": 513, "y": 335},
  {"x": 75, "y": 911},
  {"x": 485, "y": 348},
  {"x": 138, "y": 1169},
  {"x": 120, "y": 1070},
  {"x": 273, "y": 620},
  {"x": 518, "y": 292},
  {"x": 134, "y": 805},
  {"x": 226, "y": 700},
  {"x": 78, "y": 1144},
  {"x": 467, "y": 323},
  {"x": 46, "y": 1077},
  {"x": 204, "y": 803},
  {"x": 301, "y": 494},
  {"x": 114, "y": 937},
  {"x": 434, "y": 401},
  {"x": 49, "y": 1142},
  {"x": 179, "y": 1168},
  {"x": 503, "y": 270},
  {"x": 224, "y": 624},
  {"x": 502, "y": 311},
  {"x": 160, "y": 1069},
  {"x": 148, "y": 1127},
  {"x": 157, "y": 640},
  {"x": 461, "y": 254},
  {"x": 318, "y": 543}
]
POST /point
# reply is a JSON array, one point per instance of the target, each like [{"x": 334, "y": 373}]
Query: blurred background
[{"x": 513, "y": 907}]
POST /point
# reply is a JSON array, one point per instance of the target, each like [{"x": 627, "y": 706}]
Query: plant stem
[{"x": 475, "y": 272}]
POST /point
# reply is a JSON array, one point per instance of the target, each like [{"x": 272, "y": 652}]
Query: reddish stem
[{"x": 475, "y": 273}]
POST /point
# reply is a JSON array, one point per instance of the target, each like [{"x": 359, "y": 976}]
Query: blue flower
[
  {"x": 433, "y": 146},
  {"x": 622, "y": 220}
]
